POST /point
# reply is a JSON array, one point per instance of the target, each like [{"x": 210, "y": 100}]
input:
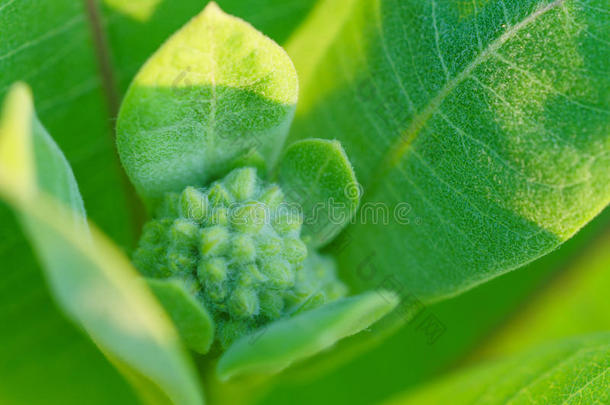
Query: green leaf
[
  {"x": 215, "y": 91},
  {"x": 193, "y": 321},
  {"x": 45, "y": 358},
  {"x": 574, "y": 303},
  {"x": 284, "y": 342},
  {"x": 352, "y": 368},
  {"x": 30, "y": 161},
  {"x": 489, "y": 120},
  {"x": 137, "y": 28},
  {"x": 569, "y": 372},
  {"x": 53, "y": 172},
  {"x": 113, "y": 307},
  {"x": 92, "y": 281},
  {"x": 50, "y": 45},
  {"x": 17, "y": 171},
  {"x": 317, "y": 174}
]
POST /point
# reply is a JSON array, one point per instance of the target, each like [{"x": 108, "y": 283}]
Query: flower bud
[{"x": 240, "y": 251}]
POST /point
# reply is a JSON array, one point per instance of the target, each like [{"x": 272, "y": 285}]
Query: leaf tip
[
  {"x": 390, "y": 297},
  {"x": 212, "y": 8},
  {"x": 16, "y": 150}
]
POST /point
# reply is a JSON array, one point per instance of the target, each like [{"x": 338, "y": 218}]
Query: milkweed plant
[{"x": 303, "y": 213}]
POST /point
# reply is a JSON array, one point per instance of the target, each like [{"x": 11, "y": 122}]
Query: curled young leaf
[
  {"x": 191, "y": 318},
  {"x": 317, "y": 175},
  {"x": 284, "y": 342},
  {"x": 215, "y": 92}
]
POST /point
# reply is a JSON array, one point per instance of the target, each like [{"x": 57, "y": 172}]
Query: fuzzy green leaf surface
[
  {"x": 215, "y": 91},
  {"x": 489, "y": 119},
  {"x": 284, "y": 342},
  {"x": 192, "y": 320},
  {"x": 91, "y": 280},
  {"x": 317, "y": 175},
  {"x": 135, "y": 29},
  {"x": 574, "y": 371}
]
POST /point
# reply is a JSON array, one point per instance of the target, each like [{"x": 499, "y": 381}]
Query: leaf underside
[
  {"x": 572, "y": 303},
  {"x": 490, "y": 120}
]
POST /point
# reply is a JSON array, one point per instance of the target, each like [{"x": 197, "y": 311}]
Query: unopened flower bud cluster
[{"x": 238, "y": 248}]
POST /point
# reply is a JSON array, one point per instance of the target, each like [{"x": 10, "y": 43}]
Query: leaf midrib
[
  {"x": 394, "y": 154},
  {"x": 102, "y": 56},
  {"x": 106, "y": 72}
]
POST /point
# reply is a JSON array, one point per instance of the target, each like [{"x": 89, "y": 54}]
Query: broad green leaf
[
  {"x": 216, "y": 90},
  {"x": 569, "y": 372},
  {"x": 574, "y": 303},
  {"x": 284, "y": 342},
  {"x": 92, "y": 281},
  {"x": 317, "y": 175},
  {"x": 193, "y": 321},
  {"x": 473, "y": 321},
  {"x": 490, "y": 120}
]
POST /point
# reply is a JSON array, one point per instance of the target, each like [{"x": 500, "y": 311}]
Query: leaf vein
[
  {"x": 602, "y": 373},
  {"x": 391, "y": 60},
  {"x": 404, "y": 142},
  {"x": 437, "y": 41},
  {"x": 48, "y": 35},
  {"x": 554, "y": 366},
  {"x": 536, "y": 80}
]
